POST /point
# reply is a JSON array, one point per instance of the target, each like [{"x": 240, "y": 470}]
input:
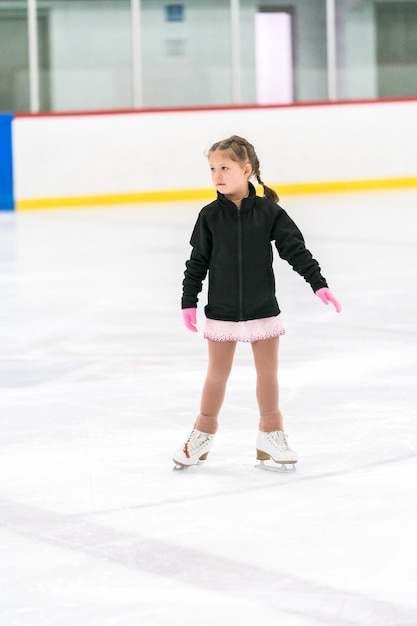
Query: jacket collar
[{"x": 247, "y": 203}]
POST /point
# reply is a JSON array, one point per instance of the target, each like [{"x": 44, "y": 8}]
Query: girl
[{"x": 232, "y": 241}]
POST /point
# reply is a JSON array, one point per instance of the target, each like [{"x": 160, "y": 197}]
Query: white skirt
[{"x": 252, "y": 330}]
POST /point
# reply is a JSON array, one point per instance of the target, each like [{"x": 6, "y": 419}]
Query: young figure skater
[{"x": 231, "y": 241}]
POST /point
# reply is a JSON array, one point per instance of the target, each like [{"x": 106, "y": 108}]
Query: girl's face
[{"x": 229, "y": 177}]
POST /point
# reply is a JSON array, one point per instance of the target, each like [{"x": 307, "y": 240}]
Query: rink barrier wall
[
  {"x": 122, "y": 157},
  {"x": 6, "y": 163}
]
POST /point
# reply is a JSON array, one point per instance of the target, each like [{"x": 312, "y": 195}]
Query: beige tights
[{"x": 265, "y": 354}]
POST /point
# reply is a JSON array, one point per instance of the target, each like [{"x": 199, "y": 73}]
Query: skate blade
[
  {"x": 184, "y": 468},
  {"x": 280, "y": 468}
]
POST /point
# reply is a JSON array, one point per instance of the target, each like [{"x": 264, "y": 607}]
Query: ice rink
[{"x": 100, "y": 383}]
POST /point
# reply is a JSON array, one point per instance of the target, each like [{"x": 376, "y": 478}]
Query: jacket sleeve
[
  {"x": 196, "y": 267},
  {"x": 291, "y": 247}
]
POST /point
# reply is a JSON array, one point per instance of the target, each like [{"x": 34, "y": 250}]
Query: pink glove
[
  {"x": 190, "y": 319},
  {"x": 326, "y": 296}
]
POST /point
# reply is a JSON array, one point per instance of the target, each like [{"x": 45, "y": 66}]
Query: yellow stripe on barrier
[
  {"x": 176, "y": 195},
  {"x": 186, "y": 195},
  {"x": 347, "y": 185}
]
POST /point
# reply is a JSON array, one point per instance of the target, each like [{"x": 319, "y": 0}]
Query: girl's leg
[
  {"x": 221, "y": 355},
  {"x": 265, "y": 355}
]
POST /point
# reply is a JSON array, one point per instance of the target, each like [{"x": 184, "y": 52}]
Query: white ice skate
[
  {"x": 274, "y": 445},
  {"x": 196, "y": 449}
]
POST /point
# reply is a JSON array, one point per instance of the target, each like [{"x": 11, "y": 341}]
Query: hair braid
[{"x": 243, "y": 151}]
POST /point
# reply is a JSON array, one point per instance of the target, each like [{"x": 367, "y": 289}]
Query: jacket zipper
[{"x": 239, "y": 258}]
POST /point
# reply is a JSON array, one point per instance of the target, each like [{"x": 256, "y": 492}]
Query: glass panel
[
  {"x": 14, "y": 62},
  {"x": 396, "y": 38},
  {"x": 376, "y": 48},
  {"x": 89, "y": 54},
  {"x": 356, "y": 45},
  {"x": 85, "y": 52},
  {"x": 308, "y": 41},
  {"x": 310, "y": 52},
  {"x": 186, "y": 61}
]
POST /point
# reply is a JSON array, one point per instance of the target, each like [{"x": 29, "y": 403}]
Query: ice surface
[{"x": 99, "y": 383}]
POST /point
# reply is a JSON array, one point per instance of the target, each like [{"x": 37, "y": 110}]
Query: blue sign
[{"x": 174, "y": 12}]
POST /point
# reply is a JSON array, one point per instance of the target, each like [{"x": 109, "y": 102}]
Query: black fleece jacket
[{"x": 234, "y": 246}]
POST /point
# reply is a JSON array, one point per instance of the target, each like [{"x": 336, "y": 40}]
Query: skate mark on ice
[
  {"x": 283, "y": 479},
  {"x": 249, "y": 583}
]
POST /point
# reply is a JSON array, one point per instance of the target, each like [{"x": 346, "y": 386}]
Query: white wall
[{"x": 69, "y": 156}]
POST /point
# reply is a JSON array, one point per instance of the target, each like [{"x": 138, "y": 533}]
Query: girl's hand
[
  {"x": 326, "y": 296},
  {"x": 190, "y": 319}
]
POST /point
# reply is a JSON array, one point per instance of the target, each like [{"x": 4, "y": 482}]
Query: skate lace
[
  {"x": 279, "y": 440},
  {"x": 195, "y": 442}
]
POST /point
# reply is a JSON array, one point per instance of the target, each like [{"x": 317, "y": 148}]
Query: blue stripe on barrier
[{"x": 6, "y": 163}]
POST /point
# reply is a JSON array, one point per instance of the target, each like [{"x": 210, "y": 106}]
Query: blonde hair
[{"x": 243, "y": 152}]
